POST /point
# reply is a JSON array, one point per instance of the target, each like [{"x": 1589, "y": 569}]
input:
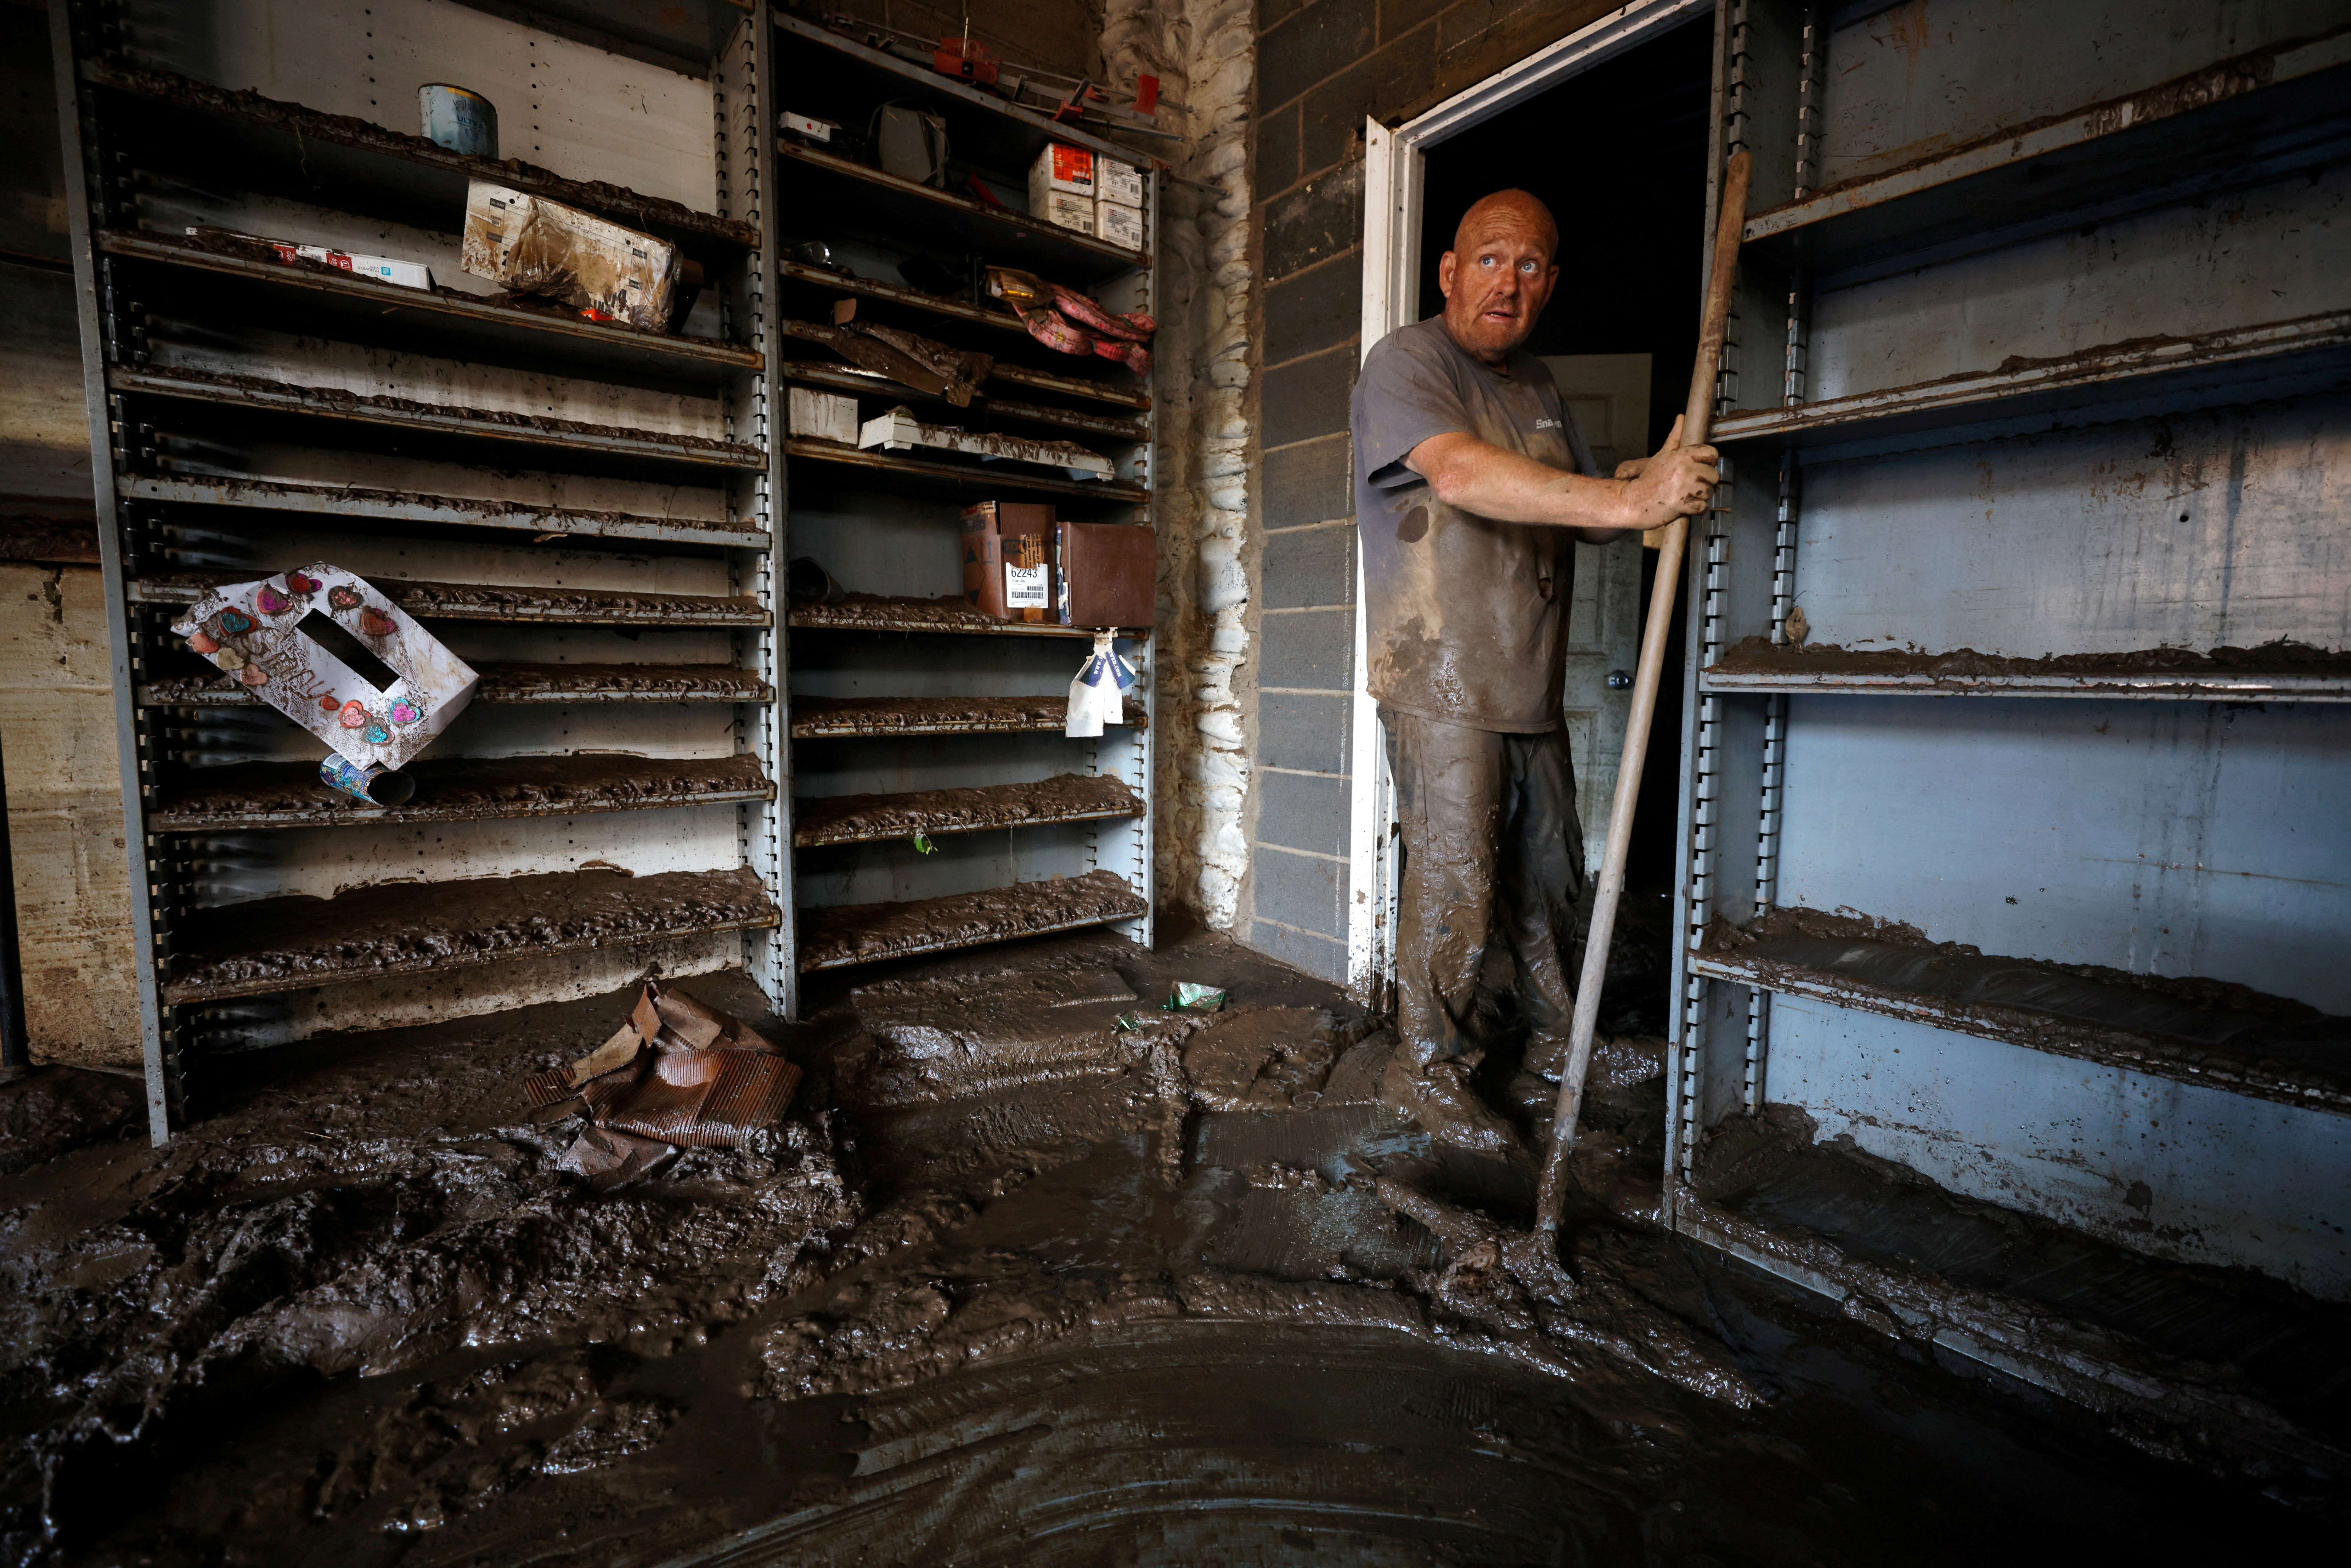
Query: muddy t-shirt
[{"x": 1467, "y": 616}]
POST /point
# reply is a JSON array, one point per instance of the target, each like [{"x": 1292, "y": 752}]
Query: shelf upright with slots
[
  {"x": 583, "y": 511},
  {"x": 2014, "y": 845},
  {"x": 939, "y": 803}
]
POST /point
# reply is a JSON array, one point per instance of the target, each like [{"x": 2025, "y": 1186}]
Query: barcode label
[{"x": 1024, "y": 586}]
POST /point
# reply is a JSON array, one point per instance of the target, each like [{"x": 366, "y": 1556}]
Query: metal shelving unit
[
  {"x": 938, "y": 803},
  {"x": 585, "y": 512},
  {"x": 2029, "y": 405}
]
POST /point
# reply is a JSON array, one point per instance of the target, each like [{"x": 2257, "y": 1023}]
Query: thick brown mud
[
  {"x": 1761, "y": 656},
  {"x": 1065, "y": 797},
  {"x": 850, "y": 934},
  {"x": 459, "y": 788},
  {"x": 516, "y": 601},
  {"x": 404, "y": 928},
  {"x": 814, "y": 717},
  {"x": 550, "y": 519},
  {"x": 527, "y": 683},
  {"x": 878, "y": 612},
  {"x": 356, "y": 1315}
]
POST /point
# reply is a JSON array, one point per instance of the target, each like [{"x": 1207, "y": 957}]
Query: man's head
[{"x": 1499, "y": 275}]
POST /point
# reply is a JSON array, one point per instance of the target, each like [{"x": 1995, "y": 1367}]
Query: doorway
[{"x": 1632, "y": 96}]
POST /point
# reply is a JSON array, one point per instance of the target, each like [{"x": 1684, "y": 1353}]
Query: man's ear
[{"x": 1444, "y": 274}]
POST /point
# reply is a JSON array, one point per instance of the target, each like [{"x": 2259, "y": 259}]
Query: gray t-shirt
[{"x": 1467, "y": 616}]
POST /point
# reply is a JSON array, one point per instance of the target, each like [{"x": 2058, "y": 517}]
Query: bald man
[{"x": 1471, "y": 484}]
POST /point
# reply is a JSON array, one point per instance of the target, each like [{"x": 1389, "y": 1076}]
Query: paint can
[
  {"x": 459, "y": 119},
  {"x": 374, "y": 785}
]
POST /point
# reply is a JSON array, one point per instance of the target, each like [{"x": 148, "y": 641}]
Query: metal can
[
  {"x": 459, "y": 119},
  {"x": 374, "y": 785}
]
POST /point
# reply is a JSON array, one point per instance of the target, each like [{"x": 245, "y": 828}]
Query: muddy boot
[{"x": 1440, "y": 1098}]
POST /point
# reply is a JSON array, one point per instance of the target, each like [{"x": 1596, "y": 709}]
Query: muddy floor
[{"x": 1033, "y": 1271}]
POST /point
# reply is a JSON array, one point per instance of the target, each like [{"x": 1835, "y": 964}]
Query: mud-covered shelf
[
  {"x": 466, "y": 431},
  {"x": 823, "y": 719},
  {"x": 250, "y": 795},
  {"x": 974, "y": 479},
  {"x": 493, "y": 601},
  {"x": 1009, "y": 238},
  {"x": 2303, "y": 355},
  {"x": 1001, "y": 133},
  {"x": 865, "y": 383},
  {"x": 338, "y": 160},
  {"x": 2260, "y": 115},
  {"x": 863, "y": 819},
  {"x": 1125, "y": 394},
  {"x": 867, "y": 933},
  {"x": 874, "y": 612},
  {"x": 519, "y": 682},
  {"x": 2288, "y": 673},
  {"x": 285, "y": 943},
  {"x": 251, "y": 283},
  {"x": 398, "y": 507},
  {"x": 2193, "y": 1031}
]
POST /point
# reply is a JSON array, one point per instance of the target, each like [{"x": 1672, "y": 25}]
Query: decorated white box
[{"x": 263, "y": 634}]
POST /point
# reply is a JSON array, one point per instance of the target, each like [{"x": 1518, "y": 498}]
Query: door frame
[{"x": 1395, "y": 170}]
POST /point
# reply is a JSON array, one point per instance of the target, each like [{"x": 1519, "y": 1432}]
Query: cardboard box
[
  {"x": 828, "y": 416},
  {"x": 1007, "y": 565},
  {"x": 1066, "y": 211},
  {"x": 1064, "y": 169},
  {"x": 534, "y": 245},
  {"x": 1117, "y": 181},
  {"x": 1119, "y": 224},
  {"x": 1109, "y": 574},
  {"x": 407, "y": 274},
  {"x": 325, "y": 648}
]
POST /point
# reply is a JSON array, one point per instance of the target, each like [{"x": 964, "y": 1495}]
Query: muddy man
[{"x": 1471, "y": 481}]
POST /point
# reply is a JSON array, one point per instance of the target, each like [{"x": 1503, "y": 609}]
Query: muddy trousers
[{"x": 1492, "y": 851}]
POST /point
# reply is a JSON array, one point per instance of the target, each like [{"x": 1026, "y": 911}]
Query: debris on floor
[{"x": 675, "y": 1073}]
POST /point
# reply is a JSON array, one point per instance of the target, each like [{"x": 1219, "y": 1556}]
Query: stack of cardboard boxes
[
  {"x": 1022, "y": 563},
  {"x": 1079, "y": 189}
]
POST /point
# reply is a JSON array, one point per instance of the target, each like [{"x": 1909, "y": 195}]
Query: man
[{"x": 1471, "y": 484}]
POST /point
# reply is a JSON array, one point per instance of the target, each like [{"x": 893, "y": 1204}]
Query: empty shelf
[
  {"x": 864, "y": 933},
  {"x": 454, "y": 790},
  {"x": 2115, "y": 380},
  {"x": 2223, "y": 1036},
  {"x": 293, "y": 943},
  {"x": 519, "y": 683},
  {"x": 815, "y": 718},
  {"x": 497, "y": 601},
  {"x": 2276, "y": 671},
  {"x": 450, "y": 423},
  {"x": 354, "y": 165},
  {"x": 858, "y": 818},
  {"x": 462, "y": 511},
  {"x": 876, "y": 612}
]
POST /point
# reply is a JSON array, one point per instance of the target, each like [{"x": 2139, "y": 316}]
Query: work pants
[{"x": 1492, "y": 849}]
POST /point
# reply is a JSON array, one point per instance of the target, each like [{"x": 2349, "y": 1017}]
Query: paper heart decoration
[
  {"x": 343, "y": 597},
  {"x": 298, "y": 582},
  {"x": 200, "y": 643},
  {"x": 253, "y": 675},
  {"x": 235, "y": 623},
  {"x": 229, "y": 659},
  {"x": 272, "y": 602},
  {"x": 375, "y": 623},
  {"x": 377, "y": 735},
  {"x": 354, "y": 715},
  {"x": 405, "y": 712},
  {"x": 329, "y": 703}
]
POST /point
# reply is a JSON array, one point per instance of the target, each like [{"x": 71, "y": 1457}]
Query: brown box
[
  {"x": 1110, "y": 574},
  {"x": 1007, "y": 560}
]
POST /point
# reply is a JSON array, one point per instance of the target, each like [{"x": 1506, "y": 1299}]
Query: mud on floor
[{"x": 1142, "y": 1295}]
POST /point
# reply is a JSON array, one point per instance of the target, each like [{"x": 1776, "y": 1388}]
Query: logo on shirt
[{"x": 1547, "y": 424}]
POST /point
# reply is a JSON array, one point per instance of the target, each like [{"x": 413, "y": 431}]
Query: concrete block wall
[{"x": 1322, "y": 67}]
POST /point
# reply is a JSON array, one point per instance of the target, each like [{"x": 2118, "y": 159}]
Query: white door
[{"x": 1609, "y": 396}]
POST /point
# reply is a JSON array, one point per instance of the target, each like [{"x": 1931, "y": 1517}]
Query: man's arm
[{"x": 1494, "y": 482}]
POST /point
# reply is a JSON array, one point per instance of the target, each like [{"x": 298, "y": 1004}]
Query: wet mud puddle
[{"x": 1055, "y": 1319}]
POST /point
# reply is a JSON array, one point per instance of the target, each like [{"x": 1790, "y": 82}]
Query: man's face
[{"x": 1496, "y": 280}]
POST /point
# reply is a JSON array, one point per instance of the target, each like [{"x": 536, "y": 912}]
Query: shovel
[{"x": 1698, "y": 423}]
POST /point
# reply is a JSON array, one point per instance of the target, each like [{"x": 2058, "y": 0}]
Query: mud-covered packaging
[
  {"x": 537, "y": 246},
  {"x": 1007, "y": 560},
  {"x": 1109, "y": 574}
]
